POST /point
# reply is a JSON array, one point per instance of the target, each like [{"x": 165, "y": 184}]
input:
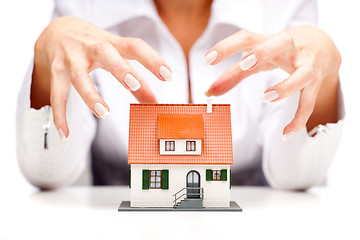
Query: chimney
[{"x": 209, "y": 105}]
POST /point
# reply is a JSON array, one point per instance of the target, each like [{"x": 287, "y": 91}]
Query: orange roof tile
[
  {"x": 144, "y": 145},
  {"x": 180, "y": 126}
]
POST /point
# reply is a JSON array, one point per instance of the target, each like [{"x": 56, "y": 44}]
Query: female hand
[
  {"x": 69, "y": 48},
  {"x": 307, "y": 53}
]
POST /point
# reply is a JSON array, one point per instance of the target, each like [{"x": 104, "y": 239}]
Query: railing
[{"x": 200, "y": 193}]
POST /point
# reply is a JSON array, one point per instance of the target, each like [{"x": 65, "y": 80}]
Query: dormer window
[
  {"x": 191, "y": 146},
  {"x": 180, "y": 134},
  {"x": 169, "y": 145}
]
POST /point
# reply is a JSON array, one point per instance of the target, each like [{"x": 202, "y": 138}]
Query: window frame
[
  {"x": 155, "y": 176},
  {"x": 218, "y": 176},
  {"x": 172, "y": 144},
  {"x": 191, "y": 142}
]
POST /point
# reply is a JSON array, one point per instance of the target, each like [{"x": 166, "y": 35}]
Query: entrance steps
[{"x": 190, "y": 203}]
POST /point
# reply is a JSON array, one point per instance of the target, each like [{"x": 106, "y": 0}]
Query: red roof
[
  {"x": 180, "y": 126},
  {"x": 144, "y": 145}
]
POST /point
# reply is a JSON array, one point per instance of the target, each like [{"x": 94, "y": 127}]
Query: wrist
[
  {"x": 40, "y": 85},
  {"x": 326, "y": 106}
]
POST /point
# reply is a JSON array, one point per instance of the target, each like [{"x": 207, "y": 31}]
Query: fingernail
[
  {"x": 61, "y": 134},
  {"x": 101, "y": 110},
  {"x": 166, "y": 73},
  {"x": 132, "y": 82},
  {"x": 270, "y": 96},
  {"x": 288, "y": 135},
  {"x": 210, "y": 57},
  {"x": 208, "y": 94},
  {"x": 248, "y": 62}
]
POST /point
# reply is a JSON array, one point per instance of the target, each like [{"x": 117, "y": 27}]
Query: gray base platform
[{"x": 125, "y": 207}]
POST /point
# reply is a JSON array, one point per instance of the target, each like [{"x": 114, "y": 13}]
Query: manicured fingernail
[
  {"x": 288, "y": 135},
  {"x": 101, "y": 110},
  {"x": 61, "y": 134},
  {"x": 270, "y": 96},
  {"x": 248, "y": 62},
  {"x": 210, "y": 57},
  {"x": 166, "y": 73},
  {"x": 208, "y": 94},
  {"x": 132, "y": 82}
]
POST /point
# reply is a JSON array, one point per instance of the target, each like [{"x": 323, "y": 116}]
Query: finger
[
  {"x": 230, "y": 78},
  {"x": 304, "y": 111},
  {"x": 302, "y": 77},
  {"x": 112, "y": 61},
  {"x": 144, "y": 94},
  {"x": 138, "y": 49},
  {"x": 82, "y": 83},
  {"x": 279, "y": 45},
  {"x": 241, "y": 41},
  {"x": 59, "y": 90}
]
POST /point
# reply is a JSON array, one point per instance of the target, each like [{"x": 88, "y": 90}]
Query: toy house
[{"x": 180, "y": 156}]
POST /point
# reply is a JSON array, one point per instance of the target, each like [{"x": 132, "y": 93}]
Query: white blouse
[{"x": 260, "y": 155}]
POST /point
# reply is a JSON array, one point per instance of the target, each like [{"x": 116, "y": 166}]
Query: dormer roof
[{"x": 180, "y": 126}]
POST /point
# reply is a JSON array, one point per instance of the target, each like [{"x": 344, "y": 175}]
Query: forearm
[
  {"x": 45, "y": 161},
  {"x": 302, "y": 161}
]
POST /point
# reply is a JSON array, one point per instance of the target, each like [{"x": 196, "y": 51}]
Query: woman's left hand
[{"x": 307, "y": 53}]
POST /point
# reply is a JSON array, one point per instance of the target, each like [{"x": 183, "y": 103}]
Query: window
[
  {"x": 155, "y": 179},
  {"x": 169, "y": 145},
  {"x": 190, "y": 145},
  {"x": 216, "y": 175}
]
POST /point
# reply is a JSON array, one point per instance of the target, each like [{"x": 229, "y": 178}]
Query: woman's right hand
[{"x": 69, "y": 49}]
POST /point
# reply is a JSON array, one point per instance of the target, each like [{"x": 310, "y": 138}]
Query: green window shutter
[
  {"x": 230, "y": 179},
  {"x": 145, "y": 179},
  {"x": 164, "y": 179},
  {"x": 208, "y": 174},
  {"x": 223, "y": 174},
  {"x": 129, "y": 177}
]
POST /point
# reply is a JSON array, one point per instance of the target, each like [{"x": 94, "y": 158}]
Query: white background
[{"x": 22, "y": 21}]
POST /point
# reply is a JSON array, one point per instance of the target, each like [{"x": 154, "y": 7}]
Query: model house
[{"x": 180, "y": 155}]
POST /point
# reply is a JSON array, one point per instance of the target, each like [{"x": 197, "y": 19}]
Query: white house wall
[
  {"x": 216, "y": 193},
  {"x": 180, "y": 147}
]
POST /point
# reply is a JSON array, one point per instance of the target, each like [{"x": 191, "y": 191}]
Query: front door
[{"x": 193, "y": 181}]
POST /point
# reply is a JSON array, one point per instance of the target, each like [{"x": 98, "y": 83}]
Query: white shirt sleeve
[{"x": 54, "y": 163}]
